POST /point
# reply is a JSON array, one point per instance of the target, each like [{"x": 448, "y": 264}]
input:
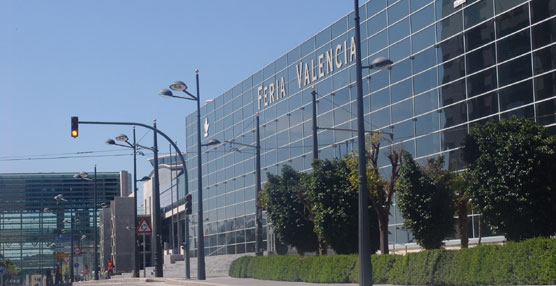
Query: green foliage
[
  {"x": 335, "y": 207},
  {"x": 11, "y": 269},
  {"x": 285, "y": 209},
  {"x": 425, "y": 200},
  {"x": 512, "y": 183},
  {"x": 529, "y": 262}
]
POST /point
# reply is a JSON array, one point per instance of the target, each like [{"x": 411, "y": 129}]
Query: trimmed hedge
[{"x": 529, "y": 262}]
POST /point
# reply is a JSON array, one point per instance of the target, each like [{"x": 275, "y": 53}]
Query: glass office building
[
  {"x": 35, "y": 227},
  {"x": 456, "y": 64}
]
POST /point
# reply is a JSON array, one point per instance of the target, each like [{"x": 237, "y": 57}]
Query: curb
[{"x": 172, "y": 281}]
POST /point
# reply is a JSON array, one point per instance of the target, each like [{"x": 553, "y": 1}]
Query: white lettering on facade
[
  {"x": 268, "y": 94},
  {"x": 306, "y": 75}
]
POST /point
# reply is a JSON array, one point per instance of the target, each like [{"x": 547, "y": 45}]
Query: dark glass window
[
  {"x": 515, "y": 70},
  {"x": 323, "y": 37},
  {"x": 544, "y": 33},
  {"x": 429, "y": 144},
  {"x": 376, "y": 23},
  {"x": 380, "y": 99},
  {"x": 379, "y": 80},
  {"x": 424, "y": 60},
  {"x": 450, "y": 26},
  {"x": 545, "y": 59},
  {"x": 479, "y": 36},
  {"x": 425, "y": 81},
  {"x": 398, "y": 11},
  {"x": 381, "y": 118},
  {"x": 478, "y": 12},
  {"x": 542, "y": 9},
  {"x": 481, "y": 82},
  {"x": 400, "y": 50},
  {"x": 426, "y": 102},
  {"x": 546, "y": 112},
  {"x": 341, "y": 97},
  {"x": 481, "y": 59},
  {"x": 416, "y": 4},
  {"x": 377, "y": 42},
  {"x": 375, "y": 6},
  {"x": 339, "y": 27},
  {"x": 453, "y": 138},
  {"x": 423, "y": 39},
  {"x": 401, "y": 91},
  {"x": 545, "y": 86},
  {"x": 399, "y": 31},
  {"x": 503, "y": 5},
  {"x": 444, "y": 8},
  {"x": 516, "y": 95},
  {"x": 525, "y": 112},
  {"x": 482, "y": 106},
  {"x": 514, "y": 46},
  {"x": 512, "y": 21},
  {"x": 426, "y": 124},
  {"x": 422, "y": 18},
  {"x": 403, "y": 131},
  {"x": 402, "y": 110},
  {"x": 450, "y": 49},
  {"x": 452, "y": 70},
  {"x": 400, "y": 71}
]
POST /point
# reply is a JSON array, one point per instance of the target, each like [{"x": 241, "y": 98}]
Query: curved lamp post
[
  {"x": 181, "y": 86},
  {"x": 124, "y": 138},
  {"x": 85, "y": 176}
]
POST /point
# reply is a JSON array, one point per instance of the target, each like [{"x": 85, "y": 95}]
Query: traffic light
[
  {"x": 74, "y": 126},
  {"x": 188, "y": 206}
]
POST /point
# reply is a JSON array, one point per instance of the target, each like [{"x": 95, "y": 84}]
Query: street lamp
[
  {"x": 258, "y": 208},
  {"x": 124, "y": 138},
  {"x": 365, "y": 266},
  {"x": 58, "y": 198},
  {"x": 85, "y": 176},
  {"x": 181, "y": 86}
]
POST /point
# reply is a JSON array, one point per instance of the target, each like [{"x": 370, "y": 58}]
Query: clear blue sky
[{"x": 106, "y": 61}]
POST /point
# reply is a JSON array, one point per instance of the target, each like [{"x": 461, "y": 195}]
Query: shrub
[{"x": 529, "y": 262}]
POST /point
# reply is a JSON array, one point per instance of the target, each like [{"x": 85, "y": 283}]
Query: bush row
[{"x": 529, "y": 262}]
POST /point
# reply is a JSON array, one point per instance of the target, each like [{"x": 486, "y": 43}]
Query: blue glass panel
[
  {"x": 401, "y": 91},
  {"x": 416, "y": 4},
  {"x": 380, "y": 99},
  {"x": 398, "y": 11},
  {"x": 377, "y": 23},
  {"x": 404, "y": 131},
  {"x": 375, "y": 6},
  {"x": 426, "y": 124},
  {"x": 478, "y": 12},
  {"x": 426, "y": 102},
  {"x": 450, "y": 26},
  {"x": 400, "y": 50},
  {"x": 380, "y": 118},
  {"x": 400, "y": 70},
  {"x": 424, "y": 60},
  {"x": 377, "y": 42},
  {"x": 399, "y": 31},
  {"x": 425, "y": 81},
  {"x": 422, "y": 18},
  {"x": 402, "y": 110},
  {"x": 423, "y": 39}
]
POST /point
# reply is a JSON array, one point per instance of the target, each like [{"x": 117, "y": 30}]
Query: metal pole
[
  {"x": 71, "y": 245},
  {"x": 365, "y": 267},
  {"x": 315, "y": 139},
  {"x": 95, "y": 226},
  {"x": 201, "y": 242},
  {"x": 171, "y": 228},
  {"x": 144, "y": 255},
  {"x": 156, "y": 235},
  {"x": 135, "y": 248},
  {"x": 258, "y": 209},
  {"x": 186, "y": 222}
]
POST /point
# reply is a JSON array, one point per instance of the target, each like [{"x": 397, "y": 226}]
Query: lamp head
[
  {"x": 166, "y": 93},
  {"x": 145, "y": 178},
  {"x": 178, "y": 86},
  {"x": 108, "y": 141},
  {"x": 381, "y": 63},
  {"x": 122, "y": 137},
  {"x": 213, "y": 142}
]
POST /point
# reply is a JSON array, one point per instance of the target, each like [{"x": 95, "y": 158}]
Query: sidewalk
[{"x": 215, "y": 281}]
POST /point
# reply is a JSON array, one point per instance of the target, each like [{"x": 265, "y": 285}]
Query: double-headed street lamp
[
  {"x": 258, "y": 209},
  {"x": 124, "y": 138},
  {"x": 85, "y": 176},
  {"x": 60, "y": 198},
  {"x": 181, "y": 86},
  {"x": 365, "y": 267}
]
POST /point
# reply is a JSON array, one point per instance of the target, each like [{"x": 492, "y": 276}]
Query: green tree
[
  {"x": 11, "y": 269},
  {"x": 380, "y": 191},
  {"x": 511, "y": 166},
  {"x": 289, "y": 212},
  {"x": 458, "y": 185},
  {"x": 425, "y": 200},
  {"x": 334, "y": 204}
]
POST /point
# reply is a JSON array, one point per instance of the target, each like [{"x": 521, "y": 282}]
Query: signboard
[
  {"x": 61, "y": 255},
  {"x": 144, "y": 227},
  {"x": 2, "y": 270},
  {"x": 63, "y": 246},
  {"x": 77, "y": 250}
]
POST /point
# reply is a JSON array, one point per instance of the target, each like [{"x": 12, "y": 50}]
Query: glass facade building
[
  {"x": 456, "y": 64},
  {"x": 35, "y": 228}
]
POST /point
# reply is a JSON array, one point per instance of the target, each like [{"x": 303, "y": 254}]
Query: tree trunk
[
  {"x": 322, "y": 246},
  {"x": 462, "y": 223},
  {"x": 383, "y": 227},
  {"x": 480, "y": 231}
]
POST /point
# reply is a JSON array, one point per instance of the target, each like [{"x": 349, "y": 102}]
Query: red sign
[{"x": 144, "y": 227}]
